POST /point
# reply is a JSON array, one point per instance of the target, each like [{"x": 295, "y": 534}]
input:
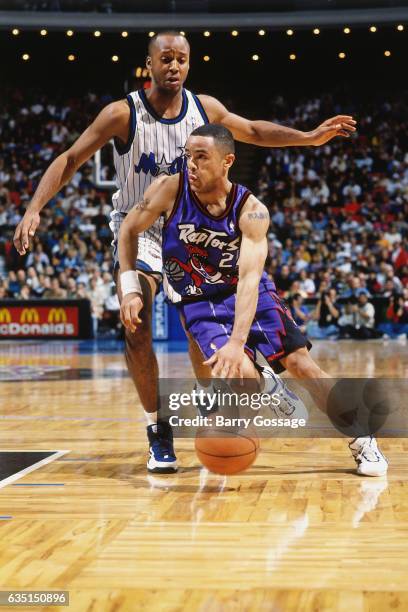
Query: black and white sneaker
[
  {"x": 290, "y": 406},
  {"x": 162, "y": 459},
  {"x": 205, "y": 406},
  {"x": 368, "y": 457}
]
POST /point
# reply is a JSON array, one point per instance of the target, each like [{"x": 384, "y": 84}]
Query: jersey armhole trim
[
  {"x": 200, "y": 108},
  {"x": 120, "y": 148},
  {"x": 240, "y": 206},
  {"x": 176, "y": 201}
]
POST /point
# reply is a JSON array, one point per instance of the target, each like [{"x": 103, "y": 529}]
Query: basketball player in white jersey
[{"x": 150, "y": 130}]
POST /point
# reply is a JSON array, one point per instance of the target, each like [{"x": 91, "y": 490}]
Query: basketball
[
  {"x": 225, "y": 451},
  {"x": 173, "y": 270}
]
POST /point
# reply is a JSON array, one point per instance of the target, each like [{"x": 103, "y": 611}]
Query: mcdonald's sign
[
  {"x": 28, "y": 320},
  {"x": 57, "y": 315},
  {"x": 29, "y": 315},
  {"x": 5, "y": 316}
]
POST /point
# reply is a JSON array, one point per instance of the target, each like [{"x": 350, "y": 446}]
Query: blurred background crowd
[{"x": 338, "y": 241}]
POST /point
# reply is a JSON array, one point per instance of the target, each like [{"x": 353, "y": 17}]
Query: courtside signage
[{"x": 24, "y": 321}]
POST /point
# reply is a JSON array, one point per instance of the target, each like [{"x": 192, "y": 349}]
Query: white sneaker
[
  {"x": 368, "y": 457},
  {"x": 291, "y": 406}
]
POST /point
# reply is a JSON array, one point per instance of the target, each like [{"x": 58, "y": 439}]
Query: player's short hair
[
  {"x": 222, "y": 136},
  {"x": 164, "y": 33}
]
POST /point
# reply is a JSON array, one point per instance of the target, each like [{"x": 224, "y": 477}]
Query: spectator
[
  {"x": 326, "y": 314},
  {"x": 396, "y": 324},
  {"x": 361, "y": 325},
  {"x": 25, "y": 293},
  {"x": 55, "y": 291},
  {"x": 299, "y": 312}
]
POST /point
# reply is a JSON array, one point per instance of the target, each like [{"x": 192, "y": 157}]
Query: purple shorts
[{"x": 273, "y": 333}]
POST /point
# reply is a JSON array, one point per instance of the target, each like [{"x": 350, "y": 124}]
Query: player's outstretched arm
[
  {"x": 254, "y": 224},
  {"x": 158, "y": 199},
  {"x": 269, "y": 134},
  {"x": 112, "y": 121}
]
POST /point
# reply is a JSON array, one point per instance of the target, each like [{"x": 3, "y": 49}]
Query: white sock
[
  {"x": 200, "y": 387},
  {"x": 151, "y": 417}
]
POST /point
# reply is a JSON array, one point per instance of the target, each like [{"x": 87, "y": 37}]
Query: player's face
[
  {"x": 206, "y": 163},
  {"x": 169, "y": 62}
]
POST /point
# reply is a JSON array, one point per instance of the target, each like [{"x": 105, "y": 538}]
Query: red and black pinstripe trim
[
  {"x": 177, "y": 200},
  {"x": 230, "y": 202}
]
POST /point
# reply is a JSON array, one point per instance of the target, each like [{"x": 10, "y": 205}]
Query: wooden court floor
[{"x": 299, "y": 531}]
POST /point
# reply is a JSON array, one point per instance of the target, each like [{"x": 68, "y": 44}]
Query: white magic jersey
[{"x": 155, "y": 146}]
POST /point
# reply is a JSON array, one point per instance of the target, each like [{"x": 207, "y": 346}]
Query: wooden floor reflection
[{"x": 298, "y": 531}]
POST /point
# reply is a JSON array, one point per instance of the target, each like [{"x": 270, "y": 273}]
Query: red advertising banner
[{"x": 41, "y": 321}]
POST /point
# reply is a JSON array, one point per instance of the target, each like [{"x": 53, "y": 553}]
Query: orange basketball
[{"x": 224, "y": 451}]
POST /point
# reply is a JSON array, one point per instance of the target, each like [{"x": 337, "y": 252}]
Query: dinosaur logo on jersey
[
  {"x": 148, "y": 164},
  {"x": 199, "y": 269}
]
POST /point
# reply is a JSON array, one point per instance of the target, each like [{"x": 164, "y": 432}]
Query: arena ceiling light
[
  {"x": 255, "y": 57},
  {"x": 125, "y": 34},
  {"x": 342, "y": 55},
  {"x": 25, "y": 57},
  {"x": 400, "y": 27},
  {"x": 373, "y": 29},
  {"x": 207, "y": 33},
  {"x": 115, "y": 58},
  {"x": 151, "y": 34},
  {"x": 387, "y": 53},
  {"x": 316, "y": 31},
  {"x": 206, "y": 58},
  {"x": 292, "y": 57},
  {"x": 15, "y": 32},
  {"x": 97, "y": 33},
  {"x": 182, "y": 33},
  {"x": 70, "y": 32},
  {"x": 346, "y": 30},
  {"x": 71, "y": 57},
  {"x": 289, "y": 32},
  {"x": 234, "y": 33},
  {"x": 261, "y": 32},
  {"x": 43, "y": 32}
]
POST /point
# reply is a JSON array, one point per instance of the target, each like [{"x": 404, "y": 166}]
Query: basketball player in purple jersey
[
  {"x": 149, "y": 130},
  {"x": 214, "y": 251}
]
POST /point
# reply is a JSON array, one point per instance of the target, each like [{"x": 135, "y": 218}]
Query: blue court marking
[
  {"x": 5, "y": 518},
  {"x": 101, "y": 345},
  {"x": 107, "y": 345},
  {"x": 39, "y": 484}
]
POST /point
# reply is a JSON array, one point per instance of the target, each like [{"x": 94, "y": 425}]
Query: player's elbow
[
  {"x": 255, "y": 133},
  {"x": 71, "y": 162},
  {"x": 129, "y": 230}
]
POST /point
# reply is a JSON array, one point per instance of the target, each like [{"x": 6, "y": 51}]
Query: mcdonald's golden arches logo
[
  {"x": 29, "y": 315},
  {"x": 57, "y": 315},
  {"x": 5, "y": 316}
]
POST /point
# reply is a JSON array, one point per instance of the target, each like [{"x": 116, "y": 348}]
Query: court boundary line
[{"x": 55, "y": 455}]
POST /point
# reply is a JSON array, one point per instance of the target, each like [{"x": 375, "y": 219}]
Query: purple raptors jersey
[{"x": 200, "y": 250}]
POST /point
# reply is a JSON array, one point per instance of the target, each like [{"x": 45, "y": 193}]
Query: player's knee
[{"x": 301, "y": 365}]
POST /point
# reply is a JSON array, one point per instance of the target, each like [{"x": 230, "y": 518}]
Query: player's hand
[
  {"x": 25, "y": 231},
  {"x": 340, "y": 125},
  {"x": 130, "y": 308},
  {"x": 228, "y": 361}
]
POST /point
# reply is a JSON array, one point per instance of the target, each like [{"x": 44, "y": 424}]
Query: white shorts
[{"x": 149, "y": 257}]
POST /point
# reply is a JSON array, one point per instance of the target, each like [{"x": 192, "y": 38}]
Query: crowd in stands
[
  {"x": 339, "y": 220},
  {"x": 339, "y": 215},
  {"x": 71, "y": 252}
]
